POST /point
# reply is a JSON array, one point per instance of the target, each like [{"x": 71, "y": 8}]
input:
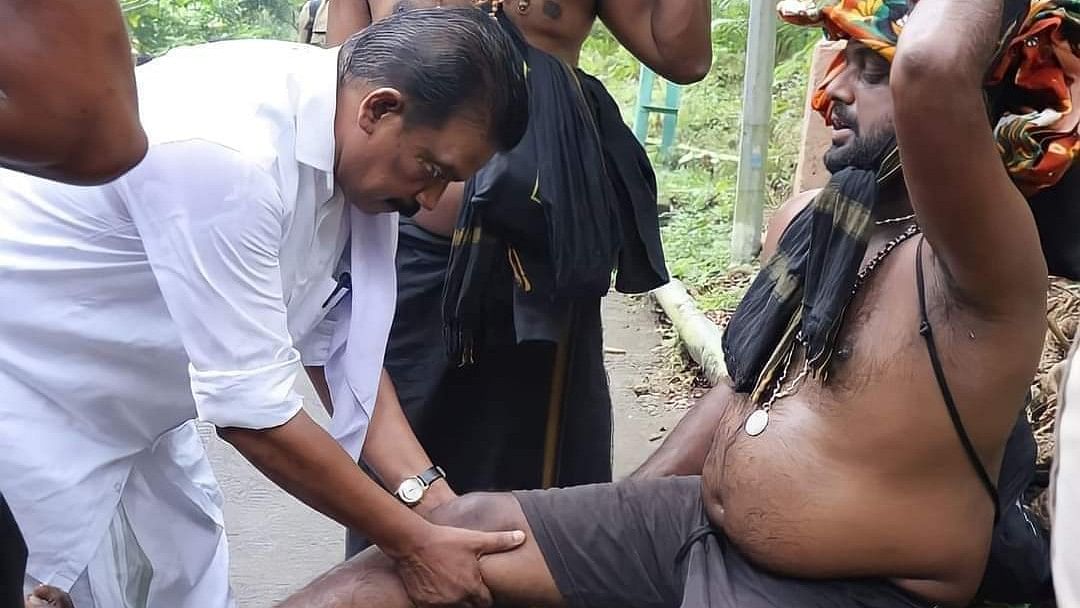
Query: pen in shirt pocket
[{"x": 344, "y": 284}]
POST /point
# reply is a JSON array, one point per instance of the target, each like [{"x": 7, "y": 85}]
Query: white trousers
[
  {"x": 166, "y": 545},
  {"x": 1065, "y": 488}
]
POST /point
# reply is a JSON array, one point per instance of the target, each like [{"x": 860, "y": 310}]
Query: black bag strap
[{"x": 927, "y": 332}]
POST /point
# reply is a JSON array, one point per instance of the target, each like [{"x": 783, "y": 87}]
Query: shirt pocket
[{"x": 309, "y": 305}]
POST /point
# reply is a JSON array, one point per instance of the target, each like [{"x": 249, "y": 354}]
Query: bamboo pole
[{"x": 701, "y": 337}]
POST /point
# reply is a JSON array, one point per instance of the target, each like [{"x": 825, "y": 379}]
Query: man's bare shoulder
[
  {"x": 556, "y": 26},
  {"x": 782, "y": 218},
  {"x": 556, "y": 10}
]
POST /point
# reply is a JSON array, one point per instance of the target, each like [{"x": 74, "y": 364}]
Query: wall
[{"x": 816, "y": 136}]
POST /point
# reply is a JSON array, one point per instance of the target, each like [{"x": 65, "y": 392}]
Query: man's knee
[{"x": 487, "y": 512}]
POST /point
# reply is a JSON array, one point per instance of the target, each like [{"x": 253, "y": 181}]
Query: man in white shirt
[{"x": 200, "y": 283}]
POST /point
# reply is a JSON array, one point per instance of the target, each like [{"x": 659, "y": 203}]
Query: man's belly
[{"x": 833, "y": 495}]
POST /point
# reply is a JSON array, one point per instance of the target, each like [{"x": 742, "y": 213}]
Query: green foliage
[
  {"x": 158, "y": 25},
  {"x": 699, "y": 191}
]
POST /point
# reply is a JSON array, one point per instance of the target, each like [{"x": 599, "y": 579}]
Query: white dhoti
[{"x": 165, "y": 545}]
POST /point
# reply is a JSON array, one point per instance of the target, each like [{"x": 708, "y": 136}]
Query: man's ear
[{"x": 379, "y": 104}]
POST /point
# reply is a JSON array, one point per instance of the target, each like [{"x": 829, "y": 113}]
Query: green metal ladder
[{"x": 645, "y": 106}]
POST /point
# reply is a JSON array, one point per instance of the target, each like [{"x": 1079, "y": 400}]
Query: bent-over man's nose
[{"x": 429, "y": 197}]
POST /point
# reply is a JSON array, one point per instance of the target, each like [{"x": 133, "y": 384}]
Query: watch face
[{"x": 411, "y": 491}]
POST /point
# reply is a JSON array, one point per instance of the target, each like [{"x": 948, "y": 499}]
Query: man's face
[
  {"x": 862, "y": 108},
  {"x": 383, "y": 165}
]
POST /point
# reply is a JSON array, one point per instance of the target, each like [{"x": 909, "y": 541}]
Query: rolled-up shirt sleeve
[{"x": 211, "y": 224}]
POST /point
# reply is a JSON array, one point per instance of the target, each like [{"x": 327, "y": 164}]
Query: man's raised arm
[
  {"x": 672, "y": 37},
  {"x": 978, "y": 223},
  {"x": 68, "y": 109}
]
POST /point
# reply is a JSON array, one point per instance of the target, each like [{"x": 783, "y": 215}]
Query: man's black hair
[{"x": 447, "y": 62}]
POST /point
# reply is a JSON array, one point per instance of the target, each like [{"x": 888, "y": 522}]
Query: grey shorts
[{"x": 648, "y": 544}]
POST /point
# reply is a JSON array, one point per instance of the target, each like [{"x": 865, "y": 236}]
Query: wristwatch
[{"x": 412, "y": 490}]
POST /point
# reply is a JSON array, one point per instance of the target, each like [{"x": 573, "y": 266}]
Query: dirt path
[
  {"x": 277, "y": 544},
  {"x": 637, "y": 378}
]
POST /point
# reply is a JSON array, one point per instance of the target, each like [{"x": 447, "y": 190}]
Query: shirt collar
[{"x": 317, "y": 104}]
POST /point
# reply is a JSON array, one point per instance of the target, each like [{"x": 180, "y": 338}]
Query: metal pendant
[{"x": 756, "y": 422}]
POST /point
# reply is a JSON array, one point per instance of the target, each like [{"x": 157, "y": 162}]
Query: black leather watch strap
[{"x": 432, "y": 475}]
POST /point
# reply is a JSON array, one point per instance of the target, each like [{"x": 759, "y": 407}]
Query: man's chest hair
[{"x": 879, "y": 338}]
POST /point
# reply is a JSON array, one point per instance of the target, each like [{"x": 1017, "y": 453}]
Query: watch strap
[{"x": 430, "y": 476}]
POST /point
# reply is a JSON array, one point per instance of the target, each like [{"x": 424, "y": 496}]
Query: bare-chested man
[
  {"x": 666, "y": 36},
  {"x": 67, "y": 91},
  {"x": 854, "y": 455},
  {"x": 507, "y": 321}
]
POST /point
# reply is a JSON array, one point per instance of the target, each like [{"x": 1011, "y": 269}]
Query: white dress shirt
[{"x": 185, "y": 289}]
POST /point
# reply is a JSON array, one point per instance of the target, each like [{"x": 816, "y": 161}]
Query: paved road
[{"x": 278, "y": 544}]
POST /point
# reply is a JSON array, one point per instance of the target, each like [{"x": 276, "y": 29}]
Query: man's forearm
[
  {"x": 685, "y": 449},
  {"x": 392, "y": 449},
  {"x": 345, "y": 18},
  {"x": 305, "y": 461},
  {"x": 953, "y": 39},
  {"x": 683, "y": 33},
  {"x": 670, "y": 36}
]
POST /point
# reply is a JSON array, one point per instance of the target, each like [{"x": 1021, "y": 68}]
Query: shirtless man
[
  {"x": 853, "y": 489},
  {"x": 68, "y": 110},
  {"x": 664, "y": 35}
]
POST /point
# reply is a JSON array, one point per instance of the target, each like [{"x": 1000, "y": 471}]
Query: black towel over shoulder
[{"x": 575, "y": 200}]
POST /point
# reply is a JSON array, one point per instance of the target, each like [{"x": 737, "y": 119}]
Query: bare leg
[
  {"x": 517, "y": 578},
  {"x": 366, "y": 580}
]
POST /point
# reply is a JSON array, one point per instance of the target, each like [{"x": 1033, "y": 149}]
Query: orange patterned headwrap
[{"x": 1037, "y": 70}]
